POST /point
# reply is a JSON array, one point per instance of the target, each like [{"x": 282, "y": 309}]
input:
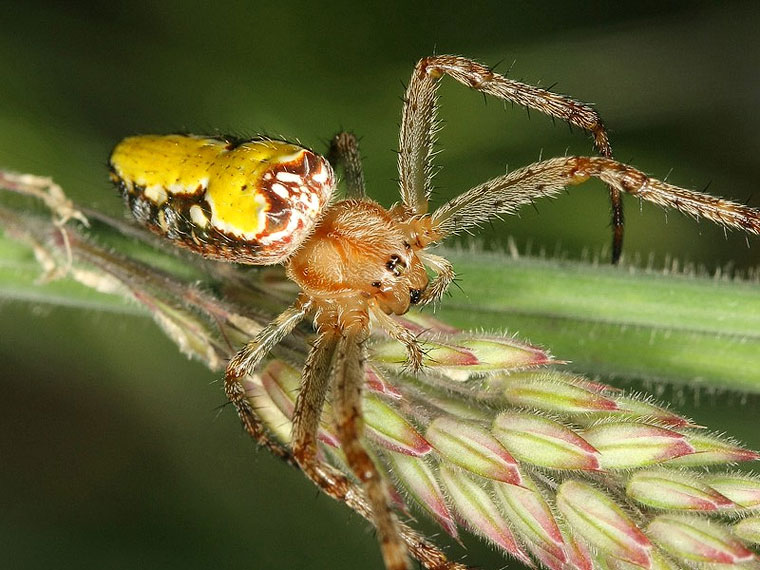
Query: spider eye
[
  {"x": 376, "y": 284},
  {"x": 396, "y": 265},
  {"x": 415, "y": 295}
]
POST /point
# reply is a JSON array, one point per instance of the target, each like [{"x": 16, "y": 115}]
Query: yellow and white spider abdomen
[{"x": 250, "y": 202}]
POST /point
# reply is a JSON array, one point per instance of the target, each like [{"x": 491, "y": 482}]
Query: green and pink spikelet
[{"x": 554, "y": 469}]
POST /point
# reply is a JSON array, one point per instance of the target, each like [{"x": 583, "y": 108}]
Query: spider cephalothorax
[
  {"x": 265, "y": 201},
  {"x": 359, "y": 256}
]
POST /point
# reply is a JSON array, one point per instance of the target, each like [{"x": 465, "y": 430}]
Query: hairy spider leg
[
  {"x": 347, "y": 379},
  {"x": 400, "y": 334},
  {"x": 246, "y": 359},
  {"x": 505, "y": 194},
  {"x": 308, "y": 410},
  {"x": 311, "y": 399},
  {"x": 344, "y": 152},
  {"x": 419, "y": 125}
]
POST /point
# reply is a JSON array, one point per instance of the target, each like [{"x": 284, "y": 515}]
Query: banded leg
[
  {"x": 311, "y": 401},
  {"x": 505, "y": 194},
  {"x": 344, "y": 152},
  {"x": 308, "y": 410},
  {"x": 248, "y": 357},
  {"x": 246, "y": 360},
  {"x": 419, "y": 125},
  {"x": 347, "y": 379},
  {"x": 336, "y": 485}
]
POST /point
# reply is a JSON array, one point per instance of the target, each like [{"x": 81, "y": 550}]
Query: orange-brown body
[{"x": 359, "y": 254}]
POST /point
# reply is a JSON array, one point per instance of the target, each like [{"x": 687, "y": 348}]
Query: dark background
[{"x": 113, "y": 452}]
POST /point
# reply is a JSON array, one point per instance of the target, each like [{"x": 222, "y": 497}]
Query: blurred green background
[{"x": 113, "y": 452}]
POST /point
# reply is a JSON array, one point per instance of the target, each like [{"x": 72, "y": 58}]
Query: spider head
[
  {"x": 360, "y": 254},
  {"x": 403, "y": 281}
]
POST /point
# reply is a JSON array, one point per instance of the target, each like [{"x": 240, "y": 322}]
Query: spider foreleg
[
  {"x": 255, "y": 428},
  {"x": 419, "y": 125},
  {"x": 505, "y": 194},
  {"x": 403, "y": 335},
  {"x": 347, "y": 379},
  {"x": 344, "y": 152},
  {"x": 696, "y": 204}
]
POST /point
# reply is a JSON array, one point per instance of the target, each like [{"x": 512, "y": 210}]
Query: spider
[{"x": 264, "y": 201}]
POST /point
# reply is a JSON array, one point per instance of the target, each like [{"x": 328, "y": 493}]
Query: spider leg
[
  {"x": 248, "y": 357},
  {"x": 419, "y": 125},
  {"x": 311, "y": 400},
  {"x": 401, "y": 334},
  {"x": 336, "y": 485},
  {"x": 246, "y": 360},
  {"x": 308, "y": 410},
  {"x": 347, "y": 379},
  {"x": 505, "y": 194},
  {"x": 344, "y": 152},
  {"x": 444, "y": 276}
]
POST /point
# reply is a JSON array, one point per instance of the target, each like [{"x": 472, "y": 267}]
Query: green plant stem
[
  {"x": 619, "y": 322},
  {"x": 615, "y": 322}
]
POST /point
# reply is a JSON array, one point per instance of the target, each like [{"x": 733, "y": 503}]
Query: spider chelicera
[{"x": 265, "y": 201}]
